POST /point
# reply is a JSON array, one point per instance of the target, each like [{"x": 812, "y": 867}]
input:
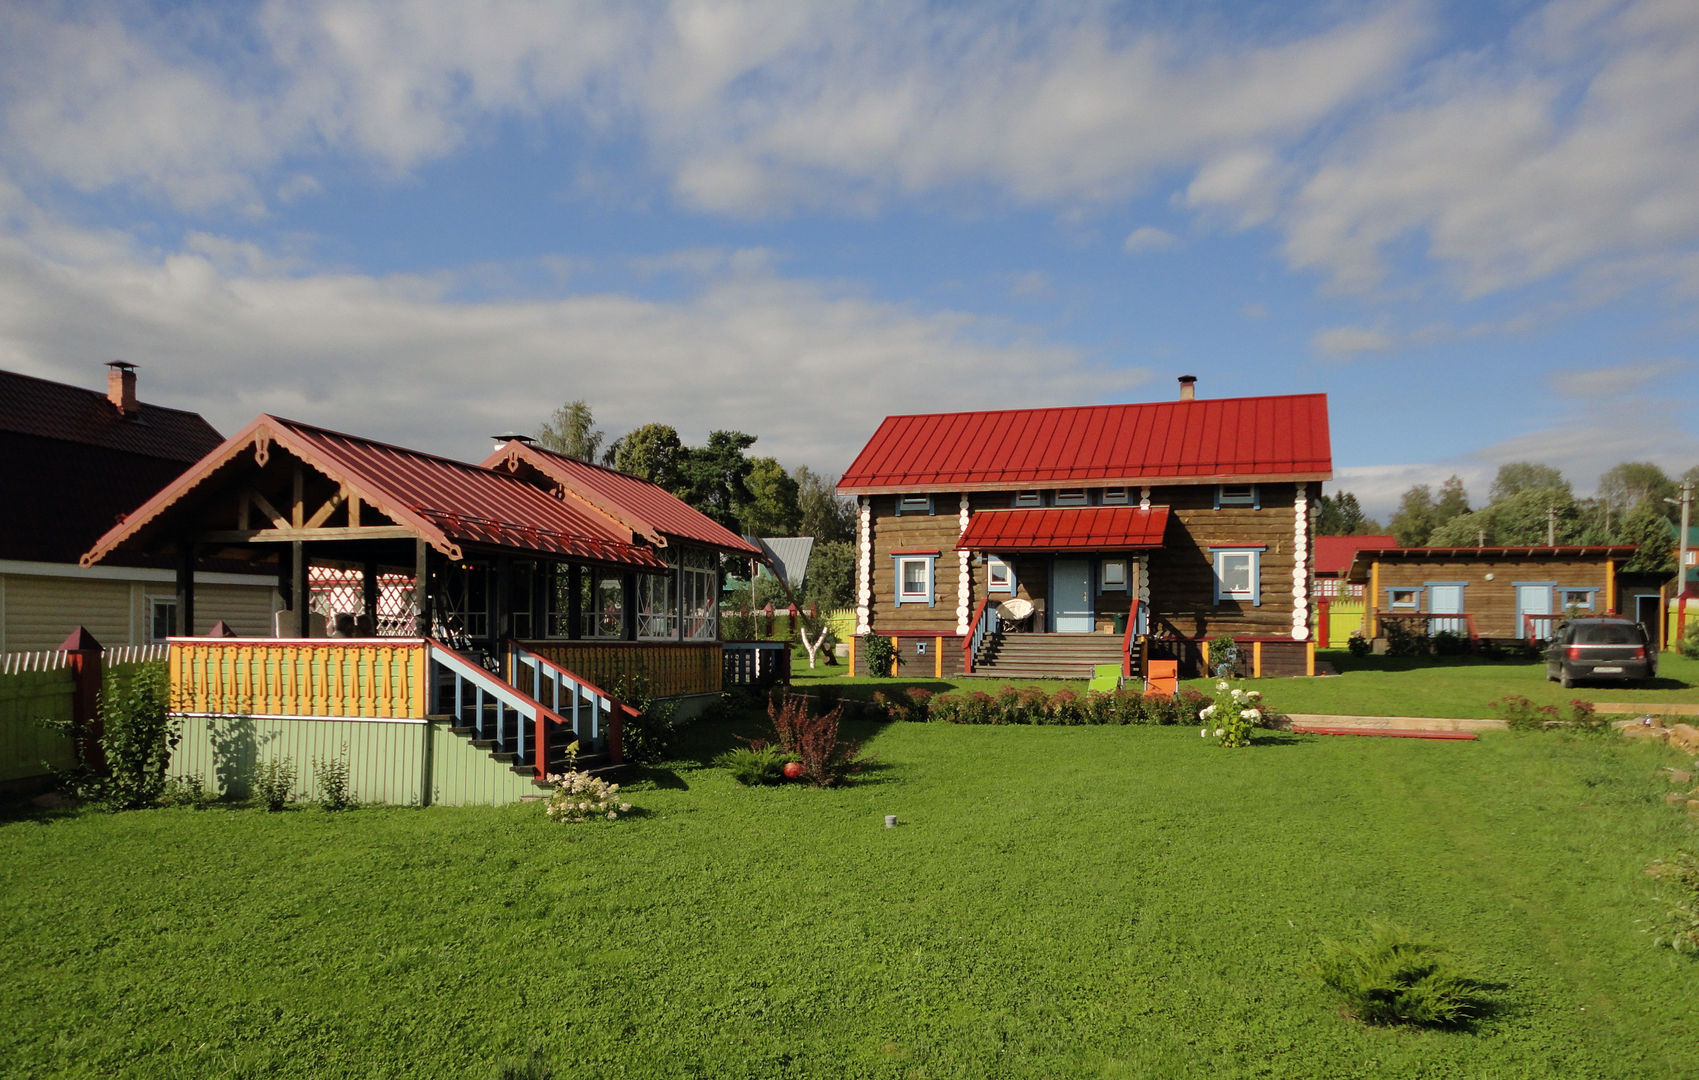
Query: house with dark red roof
[
  {"x": 73, "y": 462},
  {"x": 1049, "y": 541}
]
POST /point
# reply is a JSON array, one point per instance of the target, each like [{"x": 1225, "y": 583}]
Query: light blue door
[
  {"x": 1446, "y": 599},
  {"x": 1070, "y": 597},
  {"x": 1534, "y": 598}
]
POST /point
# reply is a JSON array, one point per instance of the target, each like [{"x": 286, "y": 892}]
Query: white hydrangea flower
[
  {"x": 1220, "y": 732},
  {"x": 1203, "y": 732},
  {"x": 1222, "y": 685},
  {"x": 1248, "y": 714}
]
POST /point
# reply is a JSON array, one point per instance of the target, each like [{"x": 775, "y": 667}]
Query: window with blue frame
[
  {"x": 1404, "y": 599},
  {"x": 1112, "y": 576},
  {"x": 914, "y": 504},
  {"x": 915, "y": 577},
  {"x": 1028, "y": 498},
  {"x": 1237, "y": 576},
  {"x": 1576, "y": 599},
  {"x": 1237, "y": 495},
  {"x": 1071, "y": 497},
  {"x": 1114, "y": 496},
  {"x": 999, "y": 575}
]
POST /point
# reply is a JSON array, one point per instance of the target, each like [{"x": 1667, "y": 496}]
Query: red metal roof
[
  {"x": 647, "y": 509},
  {"x": 445, "y": 502},
  {"x": 1333, "y": 553},
  {"x": 1225, "y": 439},
  {"x": 1359, "y": 570},
  {"x": 1065, "y": 528}
]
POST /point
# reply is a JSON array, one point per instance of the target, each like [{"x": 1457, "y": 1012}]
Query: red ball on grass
[{"x": 793, "y": 770}]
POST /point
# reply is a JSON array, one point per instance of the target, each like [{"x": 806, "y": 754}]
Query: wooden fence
[
  {"x": 39, "y": 688},
  {"x": 378, "y": 678},
  {"x": 691, "y": 667}
]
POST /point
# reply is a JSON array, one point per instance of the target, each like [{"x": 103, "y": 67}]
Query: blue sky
[{"x": 1475, "y": 226}]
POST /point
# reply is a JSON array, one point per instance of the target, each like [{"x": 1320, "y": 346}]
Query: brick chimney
[
  {"x": 121, "y": 388},
  {"x": 1188, "y": 387}
]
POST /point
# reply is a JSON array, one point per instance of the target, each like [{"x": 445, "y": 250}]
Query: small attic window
[
  {"x": 1237, "y": 495},
  {"x": 1115, "y": 496},
  {"x": 914, "y": 504},
  {"x": 1029, "y": 498},
  {"x": 1071, "y": 497}
]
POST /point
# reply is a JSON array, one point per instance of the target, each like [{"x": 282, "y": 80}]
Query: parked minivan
[{"x": 1614, "y": 649}]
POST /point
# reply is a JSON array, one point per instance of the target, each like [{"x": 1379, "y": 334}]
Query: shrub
[
  {"x": 1679, "y": 926},
  {"x": 274, "y": 783},
  {"x": 1358, "y": 644},
  {"x": 1232, "y": 715},
  {"x": 578, "y": 796},
  {"x": 1401, "y": 640},
  {"x": 137, "y": 736},
  {"x": 331, "y": 775},
  {"x": 920, "y": 702},
  {"x": 1689, "y": 644},
  {"x": 1520, "y": 714},
  {"x": 813, "y": 740},
  {"x": 1065, "y": 707},
  {"x": 187, "y": 791},
  {"x": 1223, "y": 656},
  {"x": 647, "y": 737},
  {"x": 752, "y": 765},
  {"x": 881, "y": 654},
  {"x": 1450, "y": 643},
  {"x": 1389, "y": 978}
]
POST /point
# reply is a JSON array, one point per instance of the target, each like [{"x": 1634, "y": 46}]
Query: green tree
[
  {"x": 771, "y": 509},
  {"x": 825, "y": 515},
  {"x": 1413, "y": 522},
  {"x": 831, "y": 575},
  {"x": 711, "y": 477},
  {"x": 1342, "y": 515},
  {"x": 1518, "y": 476},
  {"x": 1624, "y": 487},
  {"x": 1646, "y": 527},
  {"x": 651, "y": 452},
  {"x": 1474, "y": 529},
  {"x": 1453, "y": 501},
  {"x": 572, "y": 431}
]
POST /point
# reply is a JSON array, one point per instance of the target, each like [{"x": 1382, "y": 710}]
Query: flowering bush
[
  {"x": 812, "y": 740},
  {"x": 578, "y": 796},
  {"x": 1232, "y": 715}
]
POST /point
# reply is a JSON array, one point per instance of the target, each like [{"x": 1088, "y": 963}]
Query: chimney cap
[
  {"x": 514, "y": 437},
  {"x": 1187, "y": 380},
  {"x": 121, "y": 365},
  {"x": 1188, "y": 387}
]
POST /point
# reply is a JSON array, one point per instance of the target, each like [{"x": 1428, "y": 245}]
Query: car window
[{"x": 1607, "y": 634}]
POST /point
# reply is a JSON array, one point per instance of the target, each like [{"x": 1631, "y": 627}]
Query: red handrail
[
  {"x": 972, "y": 633},
  {"x": 1127, "y": 639}
]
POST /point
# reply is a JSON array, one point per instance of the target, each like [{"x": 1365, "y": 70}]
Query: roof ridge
[
  {"x": 1102, "y": 405},
  {"x": 99, "y": 395}
]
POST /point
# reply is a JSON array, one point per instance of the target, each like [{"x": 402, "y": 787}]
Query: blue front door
[{"x": 1070, "y": 597}]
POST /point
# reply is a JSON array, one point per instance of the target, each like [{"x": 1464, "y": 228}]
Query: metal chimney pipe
[{"x": 1188, "y": 387}]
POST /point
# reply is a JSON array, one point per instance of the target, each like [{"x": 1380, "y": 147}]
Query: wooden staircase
[{"x": 1046, "y": 656}]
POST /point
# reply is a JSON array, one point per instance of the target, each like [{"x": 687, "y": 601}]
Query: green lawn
[
  {"x": 1463, "y": 687},
  {"x": 1058, "y": 902}
]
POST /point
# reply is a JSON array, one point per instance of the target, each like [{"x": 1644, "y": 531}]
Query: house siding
[
  {"x": 38, "y": 611},
  {"x": 1492, "y": 603}
]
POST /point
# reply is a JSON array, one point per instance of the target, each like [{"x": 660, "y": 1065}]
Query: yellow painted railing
[
  {"x": 674, "y": 668},
  {"x": 376, "y": 679}
]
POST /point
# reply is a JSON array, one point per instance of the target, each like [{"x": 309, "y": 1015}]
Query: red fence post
[
  {"x": 1324, "y": 631},
  {"x": 84, "y": 654}
]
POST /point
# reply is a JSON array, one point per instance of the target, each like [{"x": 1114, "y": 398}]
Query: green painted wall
[
  {"x": 389, "y": 762},
  {"x": 25, "y": 744}
]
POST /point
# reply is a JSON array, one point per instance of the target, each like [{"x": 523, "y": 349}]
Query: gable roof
[
  {"x": 787, "y": 556},
  {"x": 1333, "y": 553},
  {"x": 1204, "y": 440},
  {"x": 444, "y": 502},
  {"x": 71, "y": 464},
  {"x": 51, "y": 410},
  {"x": 1065, "y": 528},
  {"x": 646, "y": 509}
]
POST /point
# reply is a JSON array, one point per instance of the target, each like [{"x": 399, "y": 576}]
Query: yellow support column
[
  {"x": 1310, "y": 657},
  {"x": 1371, "y": 601},
  {"x": 938, "y": 658},
  {"x": 852, "y": 656},
  {"x": 1610, "y": 584},
  {"x": 1256, "y": 659}
]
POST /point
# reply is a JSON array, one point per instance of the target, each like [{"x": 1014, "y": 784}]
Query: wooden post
[
  {"x": 1256, "y": 659},
  {"x": 301, "y": 587},
  {"x": 421, "y": 588},
  {"x": 616, "y": 732},
  {"x": 575, "y": 602},
  {"x": 852, "y": 656},
  {"x": 1324, "y": 628},
  {"x": 369, "y": 589},
  {"x": 1610, "y": 586},
  {"x": 938, "y": 658},
  {"x": 1310, "y": 658},
  {"x": 628, "y": 605},
  {"x": 501, "y": 619},
  {"x": 84, "y": 654},
  {"x": 185, "y": 589},
  {"x": 1371, "y": 602}
]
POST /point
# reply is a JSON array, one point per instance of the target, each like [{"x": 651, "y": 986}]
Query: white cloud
[
  {"x": 745, "y": 108},
  {"x": 226, "y": 330},
  {"x": 1349, "y": 342},
  {"x": 1617, "y": 380},
  {"x": 1580, "y": 144},
  {"x": 1147, "y": 238},
  {"x": 1030, "y": 285}
]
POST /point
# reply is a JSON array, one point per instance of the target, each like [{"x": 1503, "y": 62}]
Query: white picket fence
[
  {"x": 19, "y": 662},
  {"x": 52, "y": 660}
]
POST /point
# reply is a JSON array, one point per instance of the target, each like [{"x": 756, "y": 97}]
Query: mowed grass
[
  {"x": 1462, "y": 687},
  {"x": 1057, "y": 902}
]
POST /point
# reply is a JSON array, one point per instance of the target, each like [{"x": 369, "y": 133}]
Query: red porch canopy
[{"x": 1065, "y": 528}]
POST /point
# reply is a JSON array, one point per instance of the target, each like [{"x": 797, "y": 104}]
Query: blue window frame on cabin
[
  {"x": 914, "y": 504},
  {"x": 1238, "y": 495},
  {"x": 1404, "y": 598},
  {"x": 916, "y": 577},
  {"x": 1581, "y": 599},
  {"x": 999, "y": 576},
  {"x": 1238, "y": 574},
  {"x": 1113, "y": 497},
  {"x": 1071, "y": 497},
  {"x": 1027, "y": 498},
  {"x": 1112, "y": 575}
]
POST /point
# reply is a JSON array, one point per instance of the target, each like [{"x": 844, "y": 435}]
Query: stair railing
[
  {"x": 1128, "y": 638},
  {"x": 573, "y": 700},
  {"x": 472, "y": 684},
  {"x": 985, "y": 621}
]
